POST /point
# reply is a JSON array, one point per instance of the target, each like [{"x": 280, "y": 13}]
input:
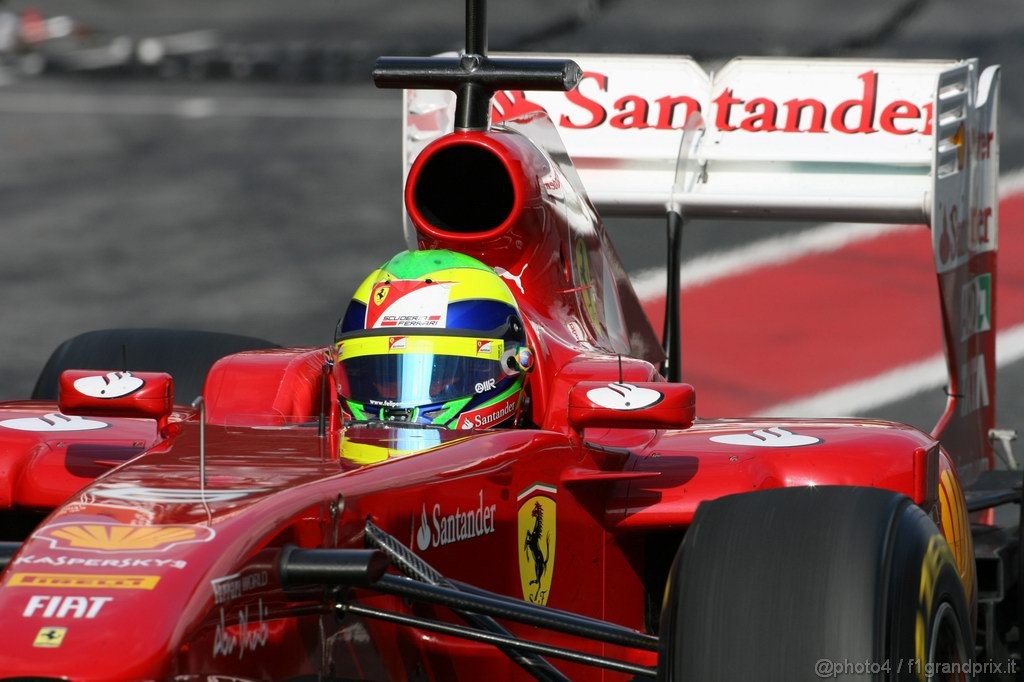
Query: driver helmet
[{"x": 432, "y": 337}]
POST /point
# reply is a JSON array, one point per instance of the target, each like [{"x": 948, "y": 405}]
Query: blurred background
[{"x": 227, "y": 165}]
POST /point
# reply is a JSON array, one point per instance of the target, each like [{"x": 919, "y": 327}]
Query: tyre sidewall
[
  {"x": 923, "y": 577},
  {"x": 767, "y": 585}
]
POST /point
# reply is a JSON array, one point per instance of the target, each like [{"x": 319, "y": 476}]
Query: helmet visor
[{"x": 411, "y": 371}]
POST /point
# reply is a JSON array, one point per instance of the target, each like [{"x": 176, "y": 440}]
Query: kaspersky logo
[{"x": 117, "y": 537}]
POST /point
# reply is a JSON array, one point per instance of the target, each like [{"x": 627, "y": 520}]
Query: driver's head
[{"x": 433, "y": 337}]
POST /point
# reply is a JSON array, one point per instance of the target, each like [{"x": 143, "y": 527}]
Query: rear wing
[{"x": 797, "y": 139}]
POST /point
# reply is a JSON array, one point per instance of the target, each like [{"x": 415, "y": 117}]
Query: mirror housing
[
  {"x": 94, "y": 393},
  {"x": 637, "y": 405}
]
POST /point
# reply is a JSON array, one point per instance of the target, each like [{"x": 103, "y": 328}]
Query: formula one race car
[{"x": 271, "y": 530}]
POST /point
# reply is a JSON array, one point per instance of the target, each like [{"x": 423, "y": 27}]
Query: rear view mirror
[
  {"x": 93, "y": 393},
  {"x": 640, "y": 405}
]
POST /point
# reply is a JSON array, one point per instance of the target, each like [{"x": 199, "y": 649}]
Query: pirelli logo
[{"x": 84, "y": 581}]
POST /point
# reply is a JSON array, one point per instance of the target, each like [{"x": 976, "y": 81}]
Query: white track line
[
  {"x": 781, "y": 249},
  {"x": 778, "y": 250},
  {"x": 854, "y": 398},
  {"x": 200, "y": 107},
  {"x": 892, "y": 386}
]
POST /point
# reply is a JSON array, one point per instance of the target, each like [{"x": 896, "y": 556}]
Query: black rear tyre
[
  {"x": 186, "y": 355},
  {"x": 811, "y": 584}
]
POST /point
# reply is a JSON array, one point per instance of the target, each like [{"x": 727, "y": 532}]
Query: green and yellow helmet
[{"x": 432, "y": 337}]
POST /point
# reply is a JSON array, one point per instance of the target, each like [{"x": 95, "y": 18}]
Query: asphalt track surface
[{"x": 256, "y": 207}]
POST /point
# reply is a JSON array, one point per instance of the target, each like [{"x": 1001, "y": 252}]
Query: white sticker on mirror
[
  {"x": 624, "y": 397},
  {"x": 113, "y": 385}
]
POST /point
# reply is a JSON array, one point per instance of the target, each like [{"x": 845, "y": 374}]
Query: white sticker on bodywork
[
  {"x": 53, "y": 422},
  {"x": 775, "y": 437},
  {"x": 61, "y": 606},
  {"x": 624, "y": 397},
  {"x": 113, "y": 385},
  {"x": 455, "y": 526}
]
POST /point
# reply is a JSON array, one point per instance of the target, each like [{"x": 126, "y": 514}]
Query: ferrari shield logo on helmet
[
  {"x": 408, "y": 303},
  {"x": 537, "y": 531},
  {"x": 380, "y": 292}
]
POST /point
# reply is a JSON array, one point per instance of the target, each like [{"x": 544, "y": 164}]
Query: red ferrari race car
[{"x": 496, "y": 472}]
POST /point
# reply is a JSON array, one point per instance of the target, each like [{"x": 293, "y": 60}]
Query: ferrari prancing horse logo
[
  {"x": 537, "y": 528},
  {"x": 381, "y": 293}
]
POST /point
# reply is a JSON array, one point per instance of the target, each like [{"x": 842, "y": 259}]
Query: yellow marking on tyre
[
  {"x": 956, "y": 528},
  {"x": 937, "y": 553},
  {"x": 967, "y": 546},
  {"x": 947, "y": 512}
]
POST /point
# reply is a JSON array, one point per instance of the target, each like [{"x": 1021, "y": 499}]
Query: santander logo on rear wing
[
  {"x": 882, "y": 141},
  {"x": 817, "y": 139}
]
